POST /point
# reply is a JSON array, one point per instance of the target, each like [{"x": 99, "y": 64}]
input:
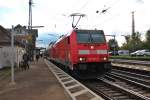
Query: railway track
[
  {"x": 130, "y": 84},
  {"x": 122, "y": 85},
  {"x": 133, "y": 75},
  {"x": 112, "y": 91}
]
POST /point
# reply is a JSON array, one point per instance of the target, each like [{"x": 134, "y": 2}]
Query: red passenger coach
[{"x": 82, "y": 51}]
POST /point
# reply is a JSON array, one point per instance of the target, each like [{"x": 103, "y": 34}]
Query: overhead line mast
[
  {"x": 30, "y": 15},
  {"x": 133, "y": 23}
]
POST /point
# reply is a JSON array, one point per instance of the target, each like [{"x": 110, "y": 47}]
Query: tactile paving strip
[{"x": 74, "y": 88}]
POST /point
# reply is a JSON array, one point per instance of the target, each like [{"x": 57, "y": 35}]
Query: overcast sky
[{"x": 54, "y": 15}]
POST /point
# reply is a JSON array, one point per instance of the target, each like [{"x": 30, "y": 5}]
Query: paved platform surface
[
  {"x": 37, "y": 83},
  {"x": 134, "y": 64}
]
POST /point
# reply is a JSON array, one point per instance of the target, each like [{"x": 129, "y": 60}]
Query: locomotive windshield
[{"x": 90, "y": 36}]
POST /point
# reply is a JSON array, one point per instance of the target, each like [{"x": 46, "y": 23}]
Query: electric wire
[{"x": 82, "y": 7}]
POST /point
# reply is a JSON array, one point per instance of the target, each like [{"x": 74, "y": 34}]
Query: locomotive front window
[
  {"x": 97, "y": 37},
  {"x": 83, "y": 37},
  {"x": 90, "y": 36}
]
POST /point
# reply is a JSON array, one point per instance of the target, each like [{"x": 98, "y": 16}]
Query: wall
[{"x": 5, "y": 56}]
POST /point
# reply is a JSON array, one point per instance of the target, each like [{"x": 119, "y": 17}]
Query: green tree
[
  {"x": 146, "y": 43},
  {"x": 133, "y": 42},
  {"x": 148, "y": 35},
  {"x": 127, "y": 38},
  {"x": 136, "y": 42}
]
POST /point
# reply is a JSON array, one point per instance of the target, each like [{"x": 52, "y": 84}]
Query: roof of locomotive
[
  {"x": 74, "y": 30},
  {"x": 87, "y": 30}
]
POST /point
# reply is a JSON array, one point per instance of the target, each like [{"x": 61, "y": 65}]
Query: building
[
  {"x": 33, "y": 34},
  {"x": 6, "y": 50},
  {"x": 27, "y": 37},
  {"x": 24, "y": 41}
]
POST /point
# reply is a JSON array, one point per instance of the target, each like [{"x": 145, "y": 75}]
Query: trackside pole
[{"x": 12, "y": 57}]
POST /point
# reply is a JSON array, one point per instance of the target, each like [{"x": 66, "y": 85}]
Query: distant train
[{"x": 82, "y": 52}]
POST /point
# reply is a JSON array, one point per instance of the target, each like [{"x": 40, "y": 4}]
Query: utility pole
[
  {"x": 29, "y": 47},
  {"x": 133, "y": 28},
  {"x": 12, "y": 57},
  {"x": 114, "y": 45},
  {"x": 133, "y": 23},
  {"x": 30, "y": 15}
]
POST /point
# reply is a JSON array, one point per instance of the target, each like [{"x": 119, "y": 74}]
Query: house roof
[{"x": 5, "y": 37}]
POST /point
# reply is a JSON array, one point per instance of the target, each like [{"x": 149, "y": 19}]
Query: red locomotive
[{"x": 82, "y": 51}]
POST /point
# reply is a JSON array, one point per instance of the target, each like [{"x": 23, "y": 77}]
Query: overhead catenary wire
[
  {"x": 80, "y": 9},
  {"x": 106, "y": 20},
  {"x": 107, "y": 8},
  {"x": 103, "y": 11},
  {"x": 86, "y": 3}
]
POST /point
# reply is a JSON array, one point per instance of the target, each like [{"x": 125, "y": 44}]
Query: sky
[{"x": 54, "y": 15}]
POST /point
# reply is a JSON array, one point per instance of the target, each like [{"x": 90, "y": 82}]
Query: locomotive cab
[{"x": 90, "y": 52}]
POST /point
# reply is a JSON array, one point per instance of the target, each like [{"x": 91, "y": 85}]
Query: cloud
[
  {"x": 14, "y": 12},
  {"x": 54, "y": 15}
]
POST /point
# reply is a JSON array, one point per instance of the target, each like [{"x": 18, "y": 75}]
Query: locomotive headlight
[
  {"x": 92, "y": 47},
  {"x": 82, "y": 59},
  {"x": 105, "y": 58}
]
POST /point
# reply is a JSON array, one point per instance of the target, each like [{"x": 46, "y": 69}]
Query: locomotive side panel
[
  {"x": 65, "y": 51},
  {"x": 60, "y": 51},
  {"x": 73, "y": 48}
]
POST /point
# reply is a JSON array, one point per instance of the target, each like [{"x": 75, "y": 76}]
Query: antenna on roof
[{"x": 75, "y": 15}]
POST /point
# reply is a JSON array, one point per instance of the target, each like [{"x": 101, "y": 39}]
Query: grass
[{"x": 4, "y": 73}]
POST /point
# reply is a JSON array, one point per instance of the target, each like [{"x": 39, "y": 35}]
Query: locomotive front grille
[{"x": 86, "y": 52}]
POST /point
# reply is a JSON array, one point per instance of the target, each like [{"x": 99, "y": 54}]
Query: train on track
[{"x": 82, "y": 52}]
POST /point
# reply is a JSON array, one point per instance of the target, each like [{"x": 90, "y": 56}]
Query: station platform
[
  {"x": 132, "y": 64},
  {"x": 37, "y": 83}
]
